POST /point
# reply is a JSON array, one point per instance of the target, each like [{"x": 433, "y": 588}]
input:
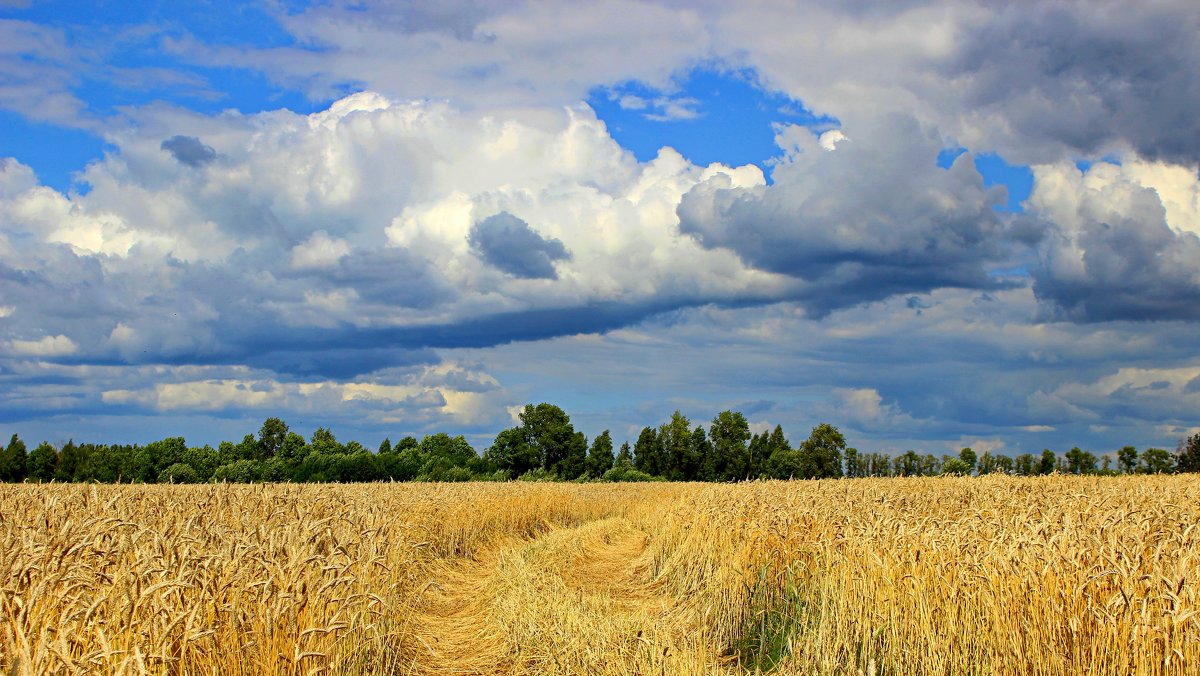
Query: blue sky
[{"x": 395, "y": 218}]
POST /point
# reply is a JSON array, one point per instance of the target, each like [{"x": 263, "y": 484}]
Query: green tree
[
  {"x": 853, "y": 463},
  {"x": 1026, "y": 464},
  {"x": 574, "y": 462},
  {"x": 729, "y": 458},
  {"x": 968, "y": 456},
  {"x": 821, "y": 452},
  {"x": 700, "y": 449},
  {"x": 675, "y": 442},
  {"x": 783, "y": 462},
  {"x": 510, "y": 452},
  {"x": 323, "y": 442},
  {"x": 179, "y": 473},
  {"x": 1080, "y": 461},
  {"x": 203, "y": 459},
  {"x": 385, "y": 446},
  {"x": 600, "y": 456},
  {"x": 149, "y": 460},
  {"x": 13, "y": 461},
  {"x": 907, "y": 463},
  {"x": 1004, "y": 464},
  {"x": 548, "y": 432},
  {"x": 956, "y": 467},
  {"x": 42, "y": 462},
  {"x": 293, "y": 449},
  {"x": 1049, "y": 462},
  {"x": 271, "y": 437},
  {"x": 625, "y": 457},
  {"x": 1187, "y": 455},
  {"x": 986, "y": 464},
  {"x": 238, "y": 472},
  {"x": 647, "y": 452},
  {"x": 70, "y": 461},
  {"x": 1156, "y": 461},
  {"x": 1127, "y": 459},
  {"x": 930, "y": 465},
  {"x": 248, "y": 449},
  {"x": 108, "y": 464}
]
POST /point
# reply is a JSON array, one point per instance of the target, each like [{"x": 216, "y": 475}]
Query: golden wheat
[{"x": 986, "y": 575}]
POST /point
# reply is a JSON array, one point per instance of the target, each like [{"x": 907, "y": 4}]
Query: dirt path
[{"x": 574, "y": 600}]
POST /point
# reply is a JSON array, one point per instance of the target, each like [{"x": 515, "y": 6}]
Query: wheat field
[{"x": 1050, "y": 575}]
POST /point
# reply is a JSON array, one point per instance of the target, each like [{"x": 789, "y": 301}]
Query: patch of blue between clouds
[
  {"x": 57, "y": 153},
  {"x": 995, "y": 170},
  {"x": 1085, "y": 164},
  {"x": 714, "y": 116}
]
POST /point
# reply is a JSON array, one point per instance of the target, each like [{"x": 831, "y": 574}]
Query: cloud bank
[{"x": 451, "y": 230}]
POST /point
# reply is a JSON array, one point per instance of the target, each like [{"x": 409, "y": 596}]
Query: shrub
[{"x": 179, "y": 473}]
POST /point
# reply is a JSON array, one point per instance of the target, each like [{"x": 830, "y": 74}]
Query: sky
[{"x": 931, "y": 224}]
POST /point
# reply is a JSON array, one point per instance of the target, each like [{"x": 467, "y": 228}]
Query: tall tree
[
  {"x": 1156, "y": 461},
  {"x": 1187, "y": 456},
  {"x": 987, "y": 463},
  {"x": 13, "y": 461},
  {"x": 675, "y": 441},
  {"x": 853, "y": 463},
  {"x": 782, "y": 462},
  {"x": 600, "y": 456},
  {"x": 1080, "y": 461},
  {"x": 548, "y": 432},
  {"x": 271, "y": 436},
  {"x": 821, "y": 452},
  {"x": 647, "y": 452},
  {"x": 574, "y": 461},
  {"x": 70, "y": 461},
  {"x": 968, "y": 456},
  {"x": 323, "y": 443},
  {"x": 510, "y": 452},
  {"x": 42, "y": 462},
  {"x": 1026, "y": 464},
  {"x": 700, "y": 449},
  {"x": 729, "y": 433},
  {"x": 1049, "y": 462},
  {"x": 1127, "y": 459},
  {"x": 757, "y": 454},
  {"x": 625, "y": 457}
]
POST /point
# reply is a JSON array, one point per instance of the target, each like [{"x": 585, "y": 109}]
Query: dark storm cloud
[
  {"x": 509, "y": 244},
  {"x": 1130, "y": 267},
  {"x": 189, "y": 151},
  {"x": 1088, "y": 75},
  {"x": 873, "y": 218}
]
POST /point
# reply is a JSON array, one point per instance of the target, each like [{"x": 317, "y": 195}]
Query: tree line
[{"x": 545, "y": 446}]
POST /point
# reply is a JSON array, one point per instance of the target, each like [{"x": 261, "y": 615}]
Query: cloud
[
  {"x": 1114, "y": 251},
  {"x": 348, "y": 241},
  {"x": 432, "y": 394},
  {"x": 189, "y": 151},
  {"x": 1090, "y": 78},
  {"x": 487, "y": 54},
  {"x": 319, "y": 251},
  {"x": 508, "y": 243},
  {"x": 46, "y": 346},
  {"x": 870, "y": 219}
]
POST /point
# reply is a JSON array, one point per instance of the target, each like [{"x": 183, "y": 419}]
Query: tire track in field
[{"x": 573, "y": 600}]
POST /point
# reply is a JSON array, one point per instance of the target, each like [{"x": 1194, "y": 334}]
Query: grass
[{"x": 896, "y": 576}]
